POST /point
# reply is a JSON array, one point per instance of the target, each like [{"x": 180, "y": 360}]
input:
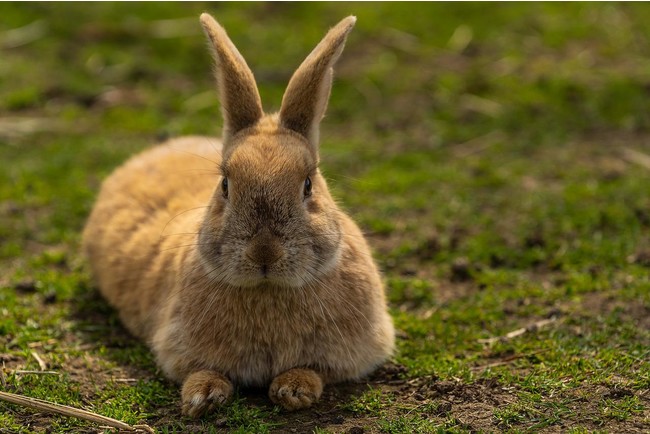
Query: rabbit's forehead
[{"x": 268, "y": 158}]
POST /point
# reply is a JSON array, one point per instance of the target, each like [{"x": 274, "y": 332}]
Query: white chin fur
[
  {"x": 228, "y": 277},
  {"x": 247, "y": 281}
]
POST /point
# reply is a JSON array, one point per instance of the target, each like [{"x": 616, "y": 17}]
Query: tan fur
[
  {"x": 248, "y": 287},
  {"x": 296, "y": 388},
  {"x": 204, "y": 390},
  {"x": 305, "y": 101}
]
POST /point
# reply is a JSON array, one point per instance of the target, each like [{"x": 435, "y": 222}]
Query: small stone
[
  {"x": 337, "y": 420},
  {"x": 356, "y": 430}
]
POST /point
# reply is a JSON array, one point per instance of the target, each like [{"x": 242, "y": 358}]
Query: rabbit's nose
[{"x": 264, "y": 249}]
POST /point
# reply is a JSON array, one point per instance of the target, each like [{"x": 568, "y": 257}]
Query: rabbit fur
[{"x": 231, "y": 259}]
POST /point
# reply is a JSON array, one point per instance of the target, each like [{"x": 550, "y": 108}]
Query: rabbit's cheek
[
  {"x": 313, "y": 206},
  {"x": 210, "y": 247}
]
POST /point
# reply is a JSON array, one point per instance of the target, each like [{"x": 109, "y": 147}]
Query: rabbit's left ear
[
  {"x": 305, "y": 100},
  {"x": 240, "y": 101}
]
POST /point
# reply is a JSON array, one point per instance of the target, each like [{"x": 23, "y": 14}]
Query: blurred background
[
  {"x": 496, "y": 154},
  {"x": 492, "y": 89}
]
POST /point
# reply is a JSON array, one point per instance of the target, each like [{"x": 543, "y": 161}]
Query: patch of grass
[
  {"x": 482, "y": 149},
  {"x": 511, "y": 415},
  {"x": 408, "y": 424},
  {"x": 371, "y": 401}
]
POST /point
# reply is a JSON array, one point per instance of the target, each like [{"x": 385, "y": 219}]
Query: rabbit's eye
[
  {"x": 307, "y": 190},
  {"x": 224, "y": 187}
]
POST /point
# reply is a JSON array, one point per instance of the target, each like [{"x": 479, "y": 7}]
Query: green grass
[{"x": 484, "y": 149}]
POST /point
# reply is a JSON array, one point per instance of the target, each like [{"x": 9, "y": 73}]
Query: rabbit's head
[{"x": 271, "y": 220}]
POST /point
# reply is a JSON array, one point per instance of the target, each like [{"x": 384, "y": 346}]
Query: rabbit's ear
[
  {"x": 305, "y": 100},
  {"x": 241, "y": 105}
]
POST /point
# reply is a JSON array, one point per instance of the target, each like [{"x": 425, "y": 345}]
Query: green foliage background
[{"x": 496, "y": 155}]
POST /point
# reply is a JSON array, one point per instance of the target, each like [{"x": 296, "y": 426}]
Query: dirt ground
[{"x": 469, "y": 407}]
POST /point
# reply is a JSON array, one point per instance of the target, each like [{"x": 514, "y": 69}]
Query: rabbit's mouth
[
  {"x": 283, "y": 267},
  {"x": 269, "y": 275},
  {"x": 266, "y": 275}
]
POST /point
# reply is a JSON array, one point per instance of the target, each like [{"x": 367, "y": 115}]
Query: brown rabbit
[{"x": 231, "y": 259}]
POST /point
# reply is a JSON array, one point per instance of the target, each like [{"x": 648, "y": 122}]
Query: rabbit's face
[{"x": 272, "y": 220}]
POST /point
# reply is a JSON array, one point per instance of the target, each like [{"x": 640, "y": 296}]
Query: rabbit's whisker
[
  {"x": 162, "y": 232},
  {"x": 212, "y": 172},
  {"x": 184, "y": 245},
  {"x": 196, "y": 155},
  {"x": 179, "y": 233},
  {"x": 215, "y": 145}
]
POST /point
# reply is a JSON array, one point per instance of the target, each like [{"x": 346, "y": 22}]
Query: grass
[{"x": 481, "y": 147}]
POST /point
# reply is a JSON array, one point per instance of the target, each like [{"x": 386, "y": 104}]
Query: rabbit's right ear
[
  {"x": 241, "y": 105},
  {"x": 305, "y": 100}
]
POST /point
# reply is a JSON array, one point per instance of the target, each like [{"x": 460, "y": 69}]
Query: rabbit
[{"x": 230, "y": 258}]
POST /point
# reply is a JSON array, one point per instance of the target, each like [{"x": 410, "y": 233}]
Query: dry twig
[
  {"x": 16, "y": 127},
  {"x": 2, "y": 376},
  {"x": 515, "y": 333},
  {"x": 125, "y": 380},
  {"x": 23, "y": 35},
  {"x": 636, "y": 157},
  {"x": 477, "y": 145},
  {"x": 25, "y": 372},
  {"x": 39, "y": 360},
  {"x": 41, "y": 343},
  {"x": 507, "y": 360},
  {"x": 65, "y": 410}
]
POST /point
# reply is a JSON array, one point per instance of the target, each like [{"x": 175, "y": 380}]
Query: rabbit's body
[
  {"x": 148, "y": 266},
  {"x": 232, "y": 260},
  {"x": 144, "y": 226}
]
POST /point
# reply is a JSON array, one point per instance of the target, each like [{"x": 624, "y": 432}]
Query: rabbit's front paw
[
  {"x": 203, "y": 390},
  {"x": 296, "y": 389}
]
